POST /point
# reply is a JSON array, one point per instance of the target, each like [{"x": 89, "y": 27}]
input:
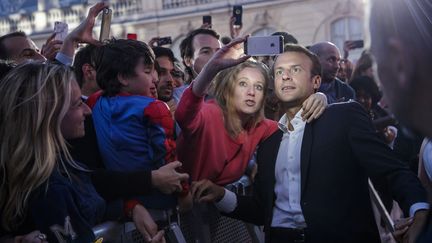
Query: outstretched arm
[
  {"x": 83, "y": 33},
  {"x": 224, "y": 58}
]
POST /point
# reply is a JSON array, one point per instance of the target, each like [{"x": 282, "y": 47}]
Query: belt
[{"x": 279, "y": 234}]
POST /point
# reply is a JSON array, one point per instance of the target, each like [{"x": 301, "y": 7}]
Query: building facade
[{"x": 309, "y": 21}]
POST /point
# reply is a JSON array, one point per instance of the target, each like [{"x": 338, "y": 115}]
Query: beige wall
[{"x": 308, "y": 20}]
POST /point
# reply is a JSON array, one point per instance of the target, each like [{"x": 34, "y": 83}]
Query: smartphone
[
  {"x": 264, "y": 45},
  {"x": 357, "y": 44},
  {"x": 164, "y": 41},
  {"x": 106, "y": 24},
  {"x": 207, "y": 19},
  {"x": 131, "y": 36},
  {"x": 60, "y": 30},
  {"x": 237, "y": 14}
]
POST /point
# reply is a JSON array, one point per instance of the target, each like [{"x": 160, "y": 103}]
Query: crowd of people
[{"x": 122, "y": 130}]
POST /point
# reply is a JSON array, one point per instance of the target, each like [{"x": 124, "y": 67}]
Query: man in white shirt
[{"x": 312, "y": 181}]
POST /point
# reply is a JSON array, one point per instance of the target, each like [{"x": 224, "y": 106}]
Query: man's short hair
[
  {"x": 164, "y": 52},
  {"x": 316, "y": 65},
  {"x": 83, "y": 56},
  {"x": 119, "y": 57},
  {"x": 288, "y": 38},
  {"x": 3, "y": 51},
  {"x": 186, "y": 46}
]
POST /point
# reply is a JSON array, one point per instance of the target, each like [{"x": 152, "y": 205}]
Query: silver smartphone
[
  {"x": 60, "y": 30},
  {"x": 264, "y": 45},
  {"x": 106, "y": 24}
]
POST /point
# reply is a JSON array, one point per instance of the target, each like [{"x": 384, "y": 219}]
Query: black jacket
[{"x": 339, "y": 152}]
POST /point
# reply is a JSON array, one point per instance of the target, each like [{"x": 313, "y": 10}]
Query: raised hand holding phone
[
  {"x": 237, "y": 14},
  {"x": 84, "y": 32},
  {"x": 225, "y": 57},
  {"x": 207, "y": 22}
]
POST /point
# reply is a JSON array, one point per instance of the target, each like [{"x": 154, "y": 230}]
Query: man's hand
[
  {"x": 146, "y": 226},
  {"x": 227, "y": 56},
  {"x": 32, "y": 237},
  {"x": 51, "y": 47},
  {"x": 401, "y": 227},
  {"x": 234, "y": 30},
  {"x": 167, "y": 180},
  {"x": 153, "y": 41},
  {"x": 206, "y": 191},
  {"x": 416, "y": 227},
  {"x": 84, "y": 32},
  {"x": 314, "y": 106}
]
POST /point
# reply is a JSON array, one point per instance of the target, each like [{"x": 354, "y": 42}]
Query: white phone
[
  {"x": 61, "y": 30},
  {"x": 264, "y": 45}
]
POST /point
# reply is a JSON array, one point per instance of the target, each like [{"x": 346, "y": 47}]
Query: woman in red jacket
[{"x": 220, "y": 136}]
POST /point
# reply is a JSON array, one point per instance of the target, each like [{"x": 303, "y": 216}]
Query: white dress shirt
[{"x": 287, "y": 211}]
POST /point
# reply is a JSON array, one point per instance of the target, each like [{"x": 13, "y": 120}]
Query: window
[{"x": 347, "y": 28}]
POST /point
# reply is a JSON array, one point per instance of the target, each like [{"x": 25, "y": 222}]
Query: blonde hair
[
  {"x": 223, "y": 90},
  {"x": 35, "y": 98}
]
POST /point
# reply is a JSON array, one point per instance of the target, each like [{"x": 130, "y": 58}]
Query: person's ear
[
  {"x": 87, "y": 70},
  {"x": 316, "y": 82},
  {"x": 188, "y": 62},
  {"x": 123, "y": 80},
  {"x": 399, "y": 63}
]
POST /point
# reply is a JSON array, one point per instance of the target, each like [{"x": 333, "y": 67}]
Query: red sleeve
[
  {"x": 270, "y": 127},
  {"x": 188, "y": 114},
  {"x": 158, "y": 113},
  {"x": 92, "y": 99}
]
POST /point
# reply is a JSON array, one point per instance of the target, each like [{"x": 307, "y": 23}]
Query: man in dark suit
[{"x": 312, "y": 181}]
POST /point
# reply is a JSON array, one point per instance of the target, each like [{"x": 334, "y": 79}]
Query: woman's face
[
  {"x": 248, "y": 92},
  {"x": 72, "y": 125}
]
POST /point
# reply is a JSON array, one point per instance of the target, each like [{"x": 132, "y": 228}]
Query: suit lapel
[
  {"x": 306, "y": 150},
  {"x": 272, "y": 148}
]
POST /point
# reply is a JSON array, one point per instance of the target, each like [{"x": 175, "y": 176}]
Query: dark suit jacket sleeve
[
  {"x": 380, "y": 161},
  {"x": 249, "y": 209},
  {"x": 258, "y": 208}
]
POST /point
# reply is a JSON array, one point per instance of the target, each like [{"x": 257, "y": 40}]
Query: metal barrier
[{"x": 220, "y": 229}]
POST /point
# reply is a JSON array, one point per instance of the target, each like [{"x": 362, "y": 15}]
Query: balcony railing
[{"x": 168, "y": 4}]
